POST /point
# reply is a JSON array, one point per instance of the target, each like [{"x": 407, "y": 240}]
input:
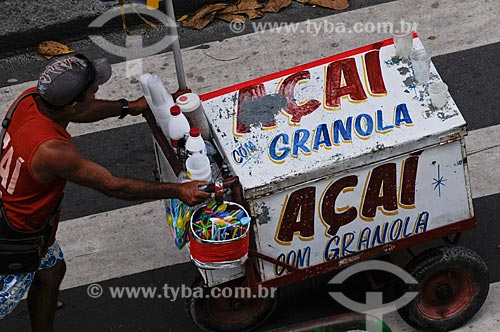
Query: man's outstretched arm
[
  {"x": 103, "y": 109},
  {"x": 61, "y": 158}
]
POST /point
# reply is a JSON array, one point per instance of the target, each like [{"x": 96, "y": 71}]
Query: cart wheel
[
  {"x": 228, "y": 314},
  {"x": 453, "y": 285}
]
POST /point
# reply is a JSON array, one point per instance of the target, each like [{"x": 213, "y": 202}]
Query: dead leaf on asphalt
[
  {"x": 231, "y": 18},
  {"x": 431, "y": 37},
  {"x": 252, "y": 9},
  {"x": 203, "y": 16},
  {"x": 251, "y": 13},
  {"x": 333, "y": 4},
  {"x": 52, "y": 48},
  {"x": 243, "y": 5},
  {"x": 274, "y": 6}
]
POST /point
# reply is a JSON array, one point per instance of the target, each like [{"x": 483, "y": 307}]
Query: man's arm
[
  {"x": 102, "y": 109},
  {"x": 61, "y": 158}
]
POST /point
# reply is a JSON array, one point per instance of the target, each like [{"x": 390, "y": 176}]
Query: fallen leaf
[
  {"x": 274, "y": 6},
  {"x": 243, "y": 5},
  {"x": 431, "y": 37},
  {"x": 249, "y": 8},
  {"x": 252, "y": 14},
  {"x": 52, "y": 48},
  {"x": 231, "y": 18},
  {"x": 203, "y": 16},
  {"x": 253, "y": 9},
  {"x": 182, "y": 18},
  {"x": 333, "y": 4}
]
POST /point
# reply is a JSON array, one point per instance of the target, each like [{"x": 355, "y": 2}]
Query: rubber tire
[
  {"x": 197, "y": 310},
  {"x": 441, "y": 259}
]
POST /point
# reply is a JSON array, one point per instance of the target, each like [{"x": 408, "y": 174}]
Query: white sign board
[
  {"x": 318, "y": 119},
  {"x": 376, "y": 205}
]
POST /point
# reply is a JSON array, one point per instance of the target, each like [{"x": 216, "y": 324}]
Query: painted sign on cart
[
  {"x": 318, "y": 118},
  {"x": 359, "y": 210},
  {"x": 341, "y": 155}
]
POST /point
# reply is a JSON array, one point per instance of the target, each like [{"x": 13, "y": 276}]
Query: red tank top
[{"x": 28, "y": 202}]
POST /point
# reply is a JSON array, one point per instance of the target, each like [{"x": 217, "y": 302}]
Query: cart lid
[{"x": 326, "y": 117}]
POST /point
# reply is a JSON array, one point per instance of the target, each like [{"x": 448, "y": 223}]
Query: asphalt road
[{"x": 19, "y": 60}]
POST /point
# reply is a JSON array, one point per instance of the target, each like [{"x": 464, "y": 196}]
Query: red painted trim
[{"x": 292, "y": 70}]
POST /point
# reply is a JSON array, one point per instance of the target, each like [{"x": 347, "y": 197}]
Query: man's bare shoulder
[{"x": 54, "y": 158}]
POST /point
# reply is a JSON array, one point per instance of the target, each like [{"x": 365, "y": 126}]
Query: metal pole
[{"x": 176, "y": 47}]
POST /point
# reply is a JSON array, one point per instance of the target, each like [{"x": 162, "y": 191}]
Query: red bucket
[{"x": 222, "y": 254}]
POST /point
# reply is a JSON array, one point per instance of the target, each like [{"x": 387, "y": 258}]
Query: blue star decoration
[{"x": 439, "y": 181}]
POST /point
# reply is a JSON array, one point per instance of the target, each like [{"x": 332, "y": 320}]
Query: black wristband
[{"x": 125, "y": 109}]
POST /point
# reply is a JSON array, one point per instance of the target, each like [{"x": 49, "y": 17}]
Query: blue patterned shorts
[{"x": 15, "y": 286}]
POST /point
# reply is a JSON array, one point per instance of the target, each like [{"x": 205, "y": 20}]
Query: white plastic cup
[
  {"x": 421, "y": 61},
  {"x": 145, "y": 89},
  {"x": 161, "y": 99},
  {"x": 403, "y": 42},
  {"x": 438, "y": 91},
  {"x": 144, "y": 84},
  {"x": 155, "y": 86},
  {"x": 198, "y": 168}
]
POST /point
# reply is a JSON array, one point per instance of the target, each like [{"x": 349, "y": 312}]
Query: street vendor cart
[{"x": 338, "y": 161}]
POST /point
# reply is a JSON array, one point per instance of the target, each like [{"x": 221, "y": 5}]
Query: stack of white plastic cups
[{"x": 159, "y": 100}]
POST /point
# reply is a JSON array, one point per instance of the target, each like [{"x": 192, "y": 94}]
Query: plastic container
[
  {"x": 178, "y": 126},
  {"x": 198, "y": 168},
  {"x": 161, "y": 102},
  {"x": 145, "y": 89},
  {"x": 159, "y": 114},
  {"x": 438, "y": 91},
  {"x": 210, "y": 254},
  {"x": 195, "y": 143},
  {"x": 403, "y": 42},
  {"x": 161, "y": 99},
  {"x": 421, "y": 61},
  {"x": 192, "y": 108}
]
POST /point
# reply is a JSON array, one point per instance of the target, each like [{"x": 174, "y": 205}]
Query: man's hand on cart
[
  {"x": 191, "y": 194},
  {"x": 138, "y": 106}
]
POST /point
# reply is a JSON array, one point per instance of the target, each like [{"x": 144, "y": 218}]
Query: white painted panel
[
  {"x": 285, "y": 220},
  {"x": 284, "y": 147}
]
